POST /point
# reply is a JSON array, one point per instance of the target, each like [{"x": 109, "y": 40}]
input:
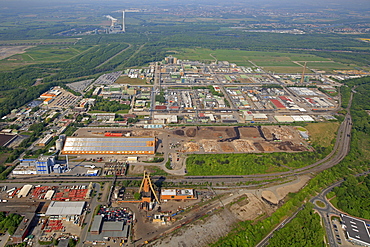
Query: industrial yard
[{"x": 181, "y": 109}]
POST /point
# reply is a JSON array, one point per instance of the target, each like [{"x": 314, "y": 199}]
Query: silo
[{"x": 59, "y": 144}]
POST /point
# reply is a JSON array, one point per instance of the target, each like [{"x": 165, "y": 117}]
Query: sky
[{"x": 362, "y": 5}]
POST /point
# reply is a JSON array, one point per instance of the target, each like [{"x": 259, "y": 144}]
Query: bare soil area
[
  {"x": 191, "y": 147},
  {"x": 244, "y": 146},
  {"x": 249, "y": 132},
  {"x": 240, "y": 205},
  {"x": 249, "y": 208},
  {"x": 227, "y": 147},
  {"x": 8, "y": 51},
  {"x": 284, "y": 190},
  {"x": 202, "y": 232}
]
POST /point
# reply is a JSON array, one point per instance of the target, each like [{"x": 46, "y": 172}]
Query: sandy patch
[
  {"x": 191, "y": 147},
  {"x": 292, "y": 188},
  {"x": 248, "y": 208},
  {"x": 7, "y": 51},
  {"x": 269, "y": 196}
]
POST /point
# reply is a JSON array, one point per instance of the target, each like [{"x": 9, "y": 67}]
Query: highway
[{"x": 340, "y": 150}]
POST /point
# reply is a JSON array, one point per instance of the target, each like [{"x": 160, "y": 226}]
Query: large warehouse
[
  {"x": 109, "y": 145},
  {"x": 65, "y": 208}
]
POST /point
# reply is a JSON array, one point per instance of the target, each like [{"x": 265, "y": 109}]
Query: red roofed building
[{"x": 277, "y": 104}]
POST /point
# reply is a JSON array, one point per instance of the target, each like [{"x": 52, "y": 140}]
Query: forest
[
  {"x": 304, "y": 230},
  {"x": 352, "y": 196},
  {"x": 9, "y": 222},
  {"x": 106, "y": 105}
]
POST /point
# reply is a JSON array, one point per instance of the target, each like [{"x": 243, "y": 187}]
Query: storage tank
[{"x": 59, "y": 144}]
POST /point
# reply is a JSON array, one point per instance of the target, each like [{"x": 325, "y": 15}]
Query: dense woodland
[
  {"x": 9, "y": 222},
  {"x": 108, "y": 105},
  {"x": 304, "y": 230},
  {"x": 352, "y": 196}
]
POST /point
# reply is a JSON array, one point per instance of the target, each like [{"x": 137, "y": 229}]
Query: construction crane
[{"x": 304, "y": 69}]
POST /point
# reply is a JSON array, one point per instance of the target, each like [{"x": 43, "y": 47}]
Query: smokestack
[{"x": 123, "y": 22}]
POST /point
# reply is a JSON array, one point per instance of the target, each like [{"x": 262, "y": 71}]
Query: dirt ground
[
  {"x": 267, "y": 147},
  {"x": 284, "y": 190},
  {"x": 239, "y": 206},
  {"x": 244, "y": 146},
  {"x": 210, "y": 146},
  {"x": 7, "y": 51},
  {"x": 249, "y": 132},
  {"x": 227, "y": 148},
  {"x": 191, "y": 147},
  {"x": 250, "y": 207},
  {"x": 217, "y": 139},
  {"x": 213, "y": 132},
  {"x": 270, "y": 196},
  {"x": 201, "y": 233},
  {"x": 139, "y": 169}
]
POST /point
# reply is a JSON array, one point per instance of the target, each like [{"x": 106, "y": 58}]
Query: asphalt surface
[{"x": 340, "y": 150}]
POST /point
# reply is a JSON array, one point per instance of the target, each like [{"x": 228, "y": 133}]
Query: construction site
[
  {"x": 204, "y": 139},
  {"x": 240, "y": 139}
]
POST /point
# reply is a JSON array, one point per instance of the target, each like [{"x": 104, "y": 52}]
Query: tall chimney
[{"x": 123, "y": 22}]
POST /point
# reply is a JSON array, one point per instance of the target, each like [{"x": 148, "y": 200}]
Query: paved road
[
  {"x": 328, "y": 210},
  {"x": 89, "y": 217},
  {"x": 340, "y": 150}
]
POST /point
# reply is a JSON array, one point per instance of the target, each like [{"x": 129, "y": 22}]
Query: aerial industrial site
[{"x": 175, "y": 108}]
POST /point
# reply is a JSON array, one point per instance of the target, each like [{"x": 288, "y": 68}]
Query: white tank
[{"x": 59, "y": 144}]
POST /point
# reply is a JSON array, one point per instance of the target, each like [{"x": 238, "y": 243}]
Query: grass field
[
  {"x": 322, "y": 133},
  {"x": 127, "y": 80},
  {"x": 41, "y": 54},
  {"x": 38, "y": 41},
  {"x": 271, "y": 61},
  {"x": 328, "y": 66},
  {"x": 283, "y": 69}
]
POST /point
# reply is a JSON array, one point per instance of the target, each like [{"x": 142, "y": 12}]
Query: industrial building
[
  {"x": 110, "y": 223},
  {"x": 109, "y": 145},
  {"x": 356, "y": 230},
  {"x": 178, "y": 194},
  {"x": 44, "y": 141},
  {"x": 41, "y": 165},
  {"x": 25, "y": 190},
  {"x": 24, "y": 228},
  {"x": 6, "y": 139},
  {"x": 65, "y": 208}
]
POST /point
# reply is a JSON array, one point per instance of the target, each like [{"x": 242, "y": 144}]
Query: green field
[
  {"x": 38, "y": 41},
  {"x": 283, "y": 69},
  {"x": 279, "y": 62},
  {"x": 41, "y": 54},
  {"x": 323, "y": 133},
  {"x": 328, "y": 66},
  {"x": 131, "y": 81},
  {"x": 247, "y": 164}
]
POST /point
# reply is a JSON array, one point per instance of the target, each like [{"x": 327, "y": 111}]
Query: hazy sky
[{"x": 363, "y": 5}]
